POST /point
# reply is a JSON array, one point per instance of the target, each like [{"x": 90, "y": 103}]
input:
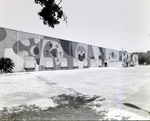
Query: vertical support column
[
  {"x": 87, "y": 56},
  {"x": 40, "y": 51},
  {"x": 89, "y": 60},
  {"x": 17, "y": 39},
  {"x": 70, "y": 60}
]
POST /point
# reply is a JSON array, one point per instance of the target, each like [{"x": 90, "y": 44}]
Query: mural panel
[
  {"x": 120, "y": 55},
  {"x": 79, "y": 54},
  {"x": 112, "y": 55},
  {"x": 58, "y": 50},
  {"x": 26, "y": 49},
  {"x": 102, "y": 55},
  {"x": 134, "y": 59},
  {"x": 36, "y": 52},
  {"x": 51, "y": 48},
  {"x": 43, "y": 50},
  {"x": 66, "y": 60},
  {"x": 96, "y": 56},
  {"x": 129, "y": 59},
  {"x": 7, "y": 39},
  {"x": 25, "y": 35}
]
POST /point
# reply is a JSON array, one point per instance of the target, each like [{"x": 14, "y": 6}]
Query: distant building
[{"x": 37, "y": 52}]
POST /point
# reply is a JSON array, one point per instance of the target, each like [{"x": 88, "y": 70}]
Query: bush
[{"x": 6, "y": 65}]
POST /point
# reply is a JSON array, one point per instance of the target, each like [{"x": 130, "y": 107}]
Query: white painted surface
[
  {"x": 18, "y": 61},
  {"x": 48, "y": 62},
  {"x": 64, "y": 62}
]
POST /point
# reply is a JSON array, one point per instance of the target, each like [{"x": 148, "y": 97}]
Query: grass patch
[
  {"x": 73, "y": 101},
  {"x": 69, "y": 108}
]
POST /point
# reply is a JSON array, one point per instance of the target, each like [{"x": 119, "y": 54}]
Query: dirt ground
[
  {"x": 68, "y": 108},
  {"x": 59, "y": 113},
  {"x": 32, "y": 92}
]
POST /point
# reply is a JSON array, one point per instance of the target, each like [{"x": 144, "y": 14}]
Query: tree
[
  {"x": 6, "y": 65},
  {"x": 143, "y": 57},
  {"x": 51, "y": 12}
]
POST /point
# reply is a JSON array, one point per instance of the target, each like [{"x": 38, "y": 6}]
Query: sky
[{"x": 114, "y": 24}]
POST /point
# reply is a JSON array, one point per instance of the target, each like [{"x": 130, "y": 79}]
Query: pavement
[
  {"x": 140, "y": 100},
  {"x": 123, "y": 88}
]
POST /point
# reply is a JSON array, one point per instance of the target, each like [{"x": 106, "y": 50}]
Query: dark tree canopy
[
  {"x": 143, "y": 57},
  {"x": 6, "y": 65},
  {"x": 51, "y": 13}
]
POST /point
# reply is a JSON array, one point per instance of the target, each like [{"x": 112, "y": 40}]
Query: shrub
[{"x": 6, "y": 65}]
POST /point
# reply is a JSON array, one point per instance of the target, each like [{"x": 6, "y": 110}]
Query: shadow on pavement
[{"x": 136, "y": 107}]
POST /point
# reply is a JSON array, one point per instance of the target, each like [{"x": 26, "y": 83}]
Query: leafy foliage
[
  {"x": 143, "y": 57},
  {"x": 6, "y": 65},
  {"x": 51, "y": 12},
  {"x": 74, "y": 101}
]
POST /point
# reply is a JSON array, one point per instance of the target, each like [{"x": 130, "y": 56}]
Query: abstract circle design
[
  {"x": 53, "y": 49},
  {"x": 81, "y": 51},
  {"x": 54, "y": 53},
  {"x": 36, "y": 51},
  {"x": 3, "y": 34},
  {"x": 28, "y": 47}
]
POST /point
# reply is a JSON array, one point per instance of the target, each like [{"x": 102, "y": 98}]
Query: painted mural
[
  {"x": 129, "y": 59},
  {"x": 41, "y": 49},
  {"x": 7, "y": 39},
  {"x": 112, "y": 55},
  {"x": 51, "y": 48},
  {"x": 102, "y": 55},
  {"x": 37, "y": 52},
  {"x": 134, "y": 60},
  {"x": 79, "y": 55}
]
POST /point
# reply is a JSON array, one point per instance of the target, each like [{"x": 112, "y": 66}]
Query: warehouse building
[{"x": 32, "y": 52}]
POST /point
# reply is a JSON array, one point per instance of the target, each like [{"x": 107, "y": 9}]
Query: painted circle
[
  {"x": 50, "y": 45},
  {"x": 54, "y": 53},
  {"x": 47, "y": 48},
  {"x": 3, "y": 34},
  {"x": 36, "y": 51},
  {"x": 47, "y": 52}
]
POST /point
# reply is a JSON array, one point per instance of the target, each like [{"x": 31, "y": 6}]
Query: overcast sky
[{"x": 114, "y": 24}]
